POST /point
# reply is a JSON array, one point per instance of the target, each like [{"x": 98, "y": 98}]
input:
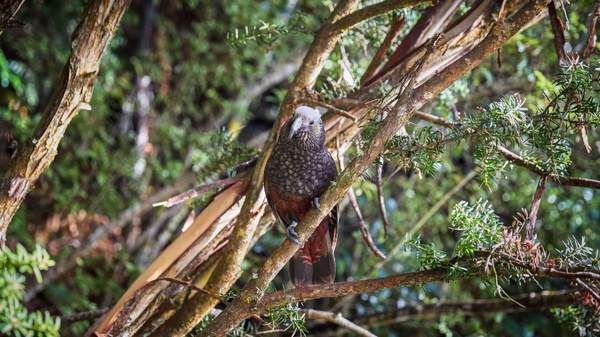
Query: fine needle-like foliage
[
  {"x": 466, "y": 136},
  {"x": 15, "y": 319}
]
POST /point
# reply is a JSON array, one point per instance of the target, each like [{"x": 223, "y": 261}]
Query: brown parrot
[{"x": 298, "y": 172}]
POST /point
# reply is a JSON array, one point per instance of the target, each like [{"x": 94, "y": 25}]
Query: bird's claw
[
  {"x": 316, "y": 202},
  {"x": 292, "y": 234}
]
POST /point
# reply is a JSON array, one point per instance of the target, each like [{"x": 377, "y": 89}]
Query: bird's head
[{"x": 305, "y": 128}]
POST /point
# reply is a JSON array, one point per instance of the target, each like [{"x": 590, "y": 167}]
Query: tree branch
[
  {"x": 558, "y": 28},
  {"x": 371, "y": 11},
  {"x": 397, "y": 23},
  {"x": 197, "y": 191},
  {"x": 72, "y": 92},
  {"x": 518, "y": 160},
  {"x": 364, "y": 231},
  {"x": 591, "y": 39},
  {"x": 337, "y": 319},
  {"x": 531, "y": 301},
  {"x": 535, "y": 206},
  {"x": 239, "y": 244},
  {"x": 398, "y": 116},
  {"x": 338, "y": 289},
  {"x": 381, "y": 199}
]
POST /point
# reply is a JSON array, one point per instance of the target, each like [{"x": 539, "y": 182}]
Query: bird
[{"x": 299, "y": 170}]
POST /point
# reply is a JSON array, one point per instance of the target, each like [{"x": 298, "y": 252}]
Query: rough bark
[
  {"x": 223, "y": 278},
  {"x": 73, "y": 91},
  {"x": 400, "y": 114},
  {"x": 345, "y": 130}
]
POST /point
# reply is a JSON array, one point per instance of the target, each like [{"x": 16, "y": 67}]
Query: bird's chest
[{"x": 301, "y": 173}]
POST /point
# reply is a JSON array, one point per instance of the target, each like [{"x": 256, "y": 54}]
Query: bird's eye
[{"x": 312, "y": 122}]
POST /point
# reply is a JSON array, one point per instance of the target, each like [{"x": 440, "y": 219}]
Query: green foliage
[
  {"x": 200, "y": 72},
  {"x": 577, "y": 254},
  {"x": 265, "y": 34},
  {"x": 545, "y": 135},
  {"x": 583, "y": 321},
  {"x": 429, "y": 255},
  {"x": 287, "y": 317},
  {"x": 15, "y": 319},
  {"x": 480, "y": 227}
]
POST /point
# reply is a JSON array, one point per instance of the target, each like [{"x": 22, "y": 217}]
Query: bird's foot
[
  {"x": 292, "y": 234},
  {"x": 316, "y": 203}
]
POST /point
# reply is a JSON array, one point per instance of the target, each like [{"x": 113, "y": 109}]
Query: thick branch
[
  {"x": 72, "y": 92},
  {"x": 239, "y": 244},
  {"x": 558, "y": 28},
  {"x": 399, "y": 115}
]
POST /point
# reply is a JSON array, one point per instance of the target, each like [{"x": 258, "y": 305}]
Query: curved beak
[{"x": 296, "y": 125}]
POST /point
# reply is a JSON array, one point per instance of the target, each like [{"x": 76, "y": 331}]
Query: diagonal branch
[
  {"x": 371, "y": 11},
  {"x": 240, "y": 241},
  {"x": 398, "y": 117},
  {"x": 396, "y": 26},
  {"x": 364, "y": 231},
  {"x": 591, "y": 39},
  {"x": 558, "y": 28},
  {"x": 535, "y": 206},
  {"x": 72, "y": 92},
  {"x": 196, "y": 191}
]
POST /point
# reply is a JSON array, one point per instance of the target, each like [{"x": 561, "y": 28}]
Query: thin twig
[
  {"x": 588, "y": 289},
  {"x": 381, "y": 199},
  {"x": 532, "y": 301},
  {"x": 431, "y": 212},
  {"x": 83, "y": 316},
  {"x": 364, "y": 231},
  {"x": 337, "y": 319},
  {"x": 197, "y": 191},
  {"x": 189, "y": 285},
  {"x": 535, "y": 205},
  {"x": 335, "y": 110}
]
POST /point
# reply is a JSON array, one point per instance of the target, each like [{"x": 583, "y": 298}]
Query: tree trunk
[{"x": 72, "y": 92}]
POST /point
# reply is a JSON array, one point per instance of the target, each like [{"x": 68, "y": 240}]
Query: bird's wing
[{"x": 269, "y": 191}]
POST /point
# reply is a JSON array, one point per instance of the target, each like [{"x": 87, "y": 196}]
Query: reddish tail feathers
[{"x": 315, "y": 262}]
